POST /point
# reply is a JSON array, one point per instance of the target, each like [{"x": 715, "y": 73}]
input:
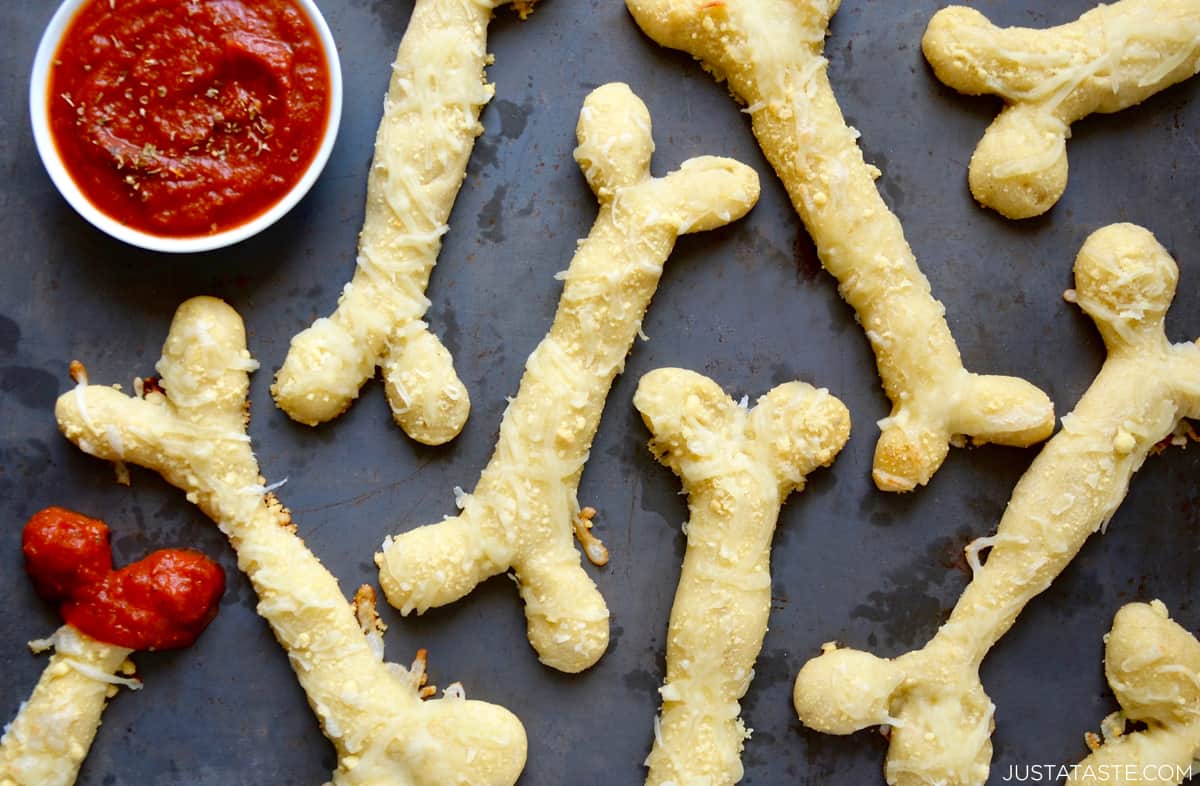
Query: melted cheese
[
  {"x": 737, "y": 466},
  {"x": 48, "y": 740},
  {"x": 1070, "y": 491},
  {"x": 523, "y": 510},
  {"x": 1151, "y": 664},
  {"x": 1111, "y": 58},
  {"x": 370, "y": 710},
  {"x": 429, "y": 125},
  {"x": 770, "y": 54}
]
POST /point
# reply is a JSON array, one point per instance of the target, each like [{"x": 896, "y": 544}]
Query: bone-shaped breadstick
[
  {"x": 1111, "y": 58},
  {"x": 737, "y": 467},
  {"x": 195, "y": 436},
  {"x": 430, "y": 121},
  {"x": 161, "y": 602},
  {"x": 48, "y": 740},
  {"x": 1152, "y": 665},
  {"x": 522, "y": 512},
  {"x": 769, "y": 52},
  {"x": 940, "y": 717}
]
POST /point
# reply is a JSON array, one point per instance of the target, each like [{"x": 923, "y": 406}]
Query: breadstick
[
  {"x": 940, "y": 717},
  {"x": 163, "y": 601},
  {"x": 523, "y": 510},
  {"x": 46, "y": 743},
  {"x": 194, "y": 434},
  {"x": 1151, "y": 664},
  {"x": 430, "y": 121},
  {"x": 769, "y": 53},
  {"x": 737, "y": 467},
  {"x": 1111, "y": 58}
]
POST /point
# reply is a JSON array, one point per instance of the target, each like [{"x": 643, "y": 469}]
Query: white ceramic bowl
[{"x": 39, "y": 113}]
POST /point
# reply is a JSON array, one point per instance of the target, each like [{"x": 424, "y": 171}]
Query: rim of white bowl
[{"x": 39, "y": 110}]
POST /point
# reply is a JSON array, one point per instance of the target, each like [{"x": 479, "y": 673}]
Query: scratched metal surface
[{"x": 747, "y": 305}]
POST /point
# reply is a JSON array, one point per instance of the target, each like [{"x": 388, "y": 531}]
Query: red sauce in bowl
[
  {"x": 184, "y": 118},
  {"x": 163, "y": 601}
]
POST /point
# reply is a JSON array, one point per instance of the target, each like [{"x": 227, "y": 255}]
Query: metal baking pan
[{"x": 748, "y": 305}]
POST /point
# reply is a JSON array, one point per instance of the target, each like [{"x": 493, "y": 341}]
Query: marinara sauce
[
  {"x": 163, "y": 601},
  {"x": 187, "y": 117}
]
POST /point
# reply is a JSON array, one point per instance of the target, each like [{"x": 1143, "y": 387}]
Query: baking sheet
[{"x": 747, "y": 305}]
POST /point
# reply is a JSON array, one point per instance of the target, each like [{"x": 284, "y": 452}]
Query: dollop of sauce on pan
[{"x": 163, "y": 601}]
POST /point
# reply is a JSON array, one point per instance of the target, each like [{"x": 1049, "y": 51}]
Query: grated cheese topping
[
  {"x": 522, "y": 512},
  {"x": 737, "y": 466}
]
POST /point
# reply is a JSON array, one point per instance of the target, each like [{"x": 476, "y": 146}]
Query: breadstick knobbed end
[
  {"x": 566, "y": 616},
  {"x": 427, "y": 398},
  {"x": 907, "y": 456},
  {"x": 97, "y": 416},
  {"x": 1003, "y": 410},
  {"x": 615, "y": 142},
  {"x": 1150, "y": 662},
  {"x": 204, "y": 365},
  {"x": 953, "y": 44},
  {"x": 659, "y": 392},
  {"x": 671, "y": 23},
  {"x": 322, "y": 373},
  {"x": 1019, "y": 169},
  {"x": 707, "y": 192},
  {"x": 677, "y": 404},
  {"x": 486, "y": 743},
  {"x": 842, "y": 691},
  {"x": 942, "y": 732},
  {"x": 802, "y": 427},
  {"x": 805, "y": 428},
  {"x": 1125, "y": 281},
  {"x": 432, "y": 565}
]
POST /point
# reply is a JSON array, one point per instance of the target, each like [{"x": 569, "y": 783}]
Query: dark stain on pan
[
  {"x": 808, "y": 265},
  {"x": 513, "y": 116},
  {"x": 912, "y": 605},
  {"x": 490, "y": 221},
  {"x": 642, "y": 681},
  {"x": 29, "y": 387},
  {"x": 10, "y": 334}
]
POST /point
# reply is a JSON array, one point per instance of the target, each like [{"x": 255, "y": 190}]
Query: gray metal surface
[{"x": 748, "y": 306}]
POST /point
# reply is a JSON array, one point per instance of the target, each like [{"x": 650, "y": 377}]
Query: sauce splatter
[{"x": 163, "y": 601}]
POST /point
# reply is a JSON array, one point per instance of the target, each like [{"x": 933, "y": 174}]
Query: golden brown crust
[
  {"x": 770, "y": 54},
  {"x": 523, "y": 511},
  {"x": 430, "y": 121},
  {"x": 370, "y": 710},
  {"x": 1114, "y": 56},
  {"x": 48, "y": 740},
  {"x": 737, "y": 467},
  {"x": 1151, "y": 663},
  {"x": 941, "y": 719}
]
